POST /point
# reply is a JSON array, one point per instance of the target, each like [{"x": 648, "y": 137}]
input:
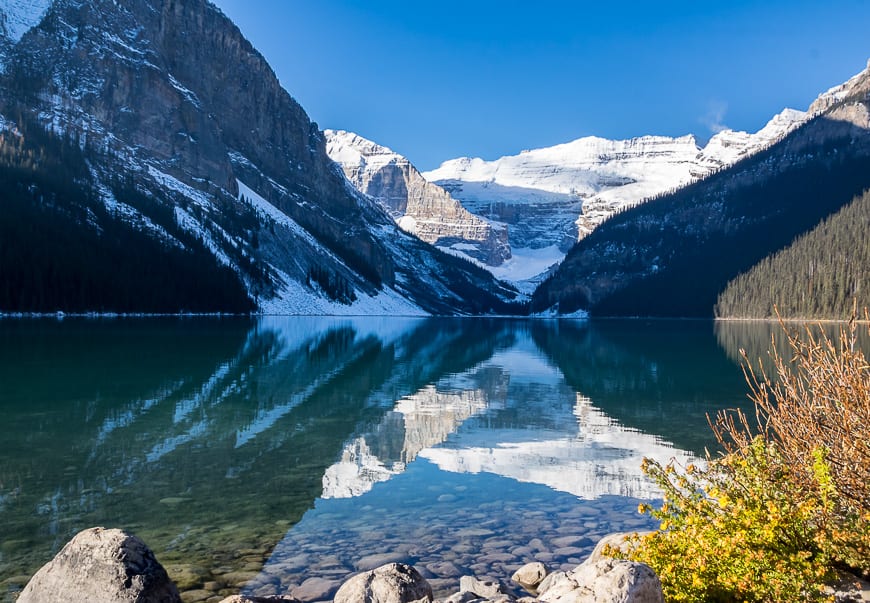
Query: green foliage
[
  {"x": 735, "y": 531},
  {"x": 785, "y": 506},
  {"x": 817, "y": 276}
]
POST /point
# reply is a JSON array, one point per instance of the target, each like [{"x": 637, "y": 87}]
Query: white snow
[
  {"x": 191, "y": 224},
  {"x": 294, "y": 299},
  {"x": 185, "y": 92},
  {"x": 348, "y": 148},
  {"x": 583, "y": 166},
  {"x": 571, "y": 188},
  {"x": 527, "y": 263},
  {"x": 22, "y": 15},
  {"x": 174, "y": 184},
  {"x": 266, "y": 209},
  {"x": 408, "y": 224}
]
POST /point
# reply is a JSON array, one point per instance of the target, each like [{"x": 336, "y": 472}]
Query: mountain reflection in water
[{"x": 215, "y": 439}]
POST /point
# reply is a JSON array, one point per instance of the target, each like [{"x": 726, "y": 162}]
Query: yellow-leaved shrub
[{"x": 785, "y": 507}]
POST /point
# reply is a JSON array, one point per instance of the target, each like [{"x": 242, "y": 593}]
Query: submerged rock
[
  {"x": 102, "y": 566},
  {"x": 391, "y": 583},
  {"x": 530, "y": 575}
]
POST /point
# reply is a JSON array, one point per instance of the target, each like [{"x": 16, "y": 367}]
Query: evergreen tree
[{"x": 819, "y": 275}]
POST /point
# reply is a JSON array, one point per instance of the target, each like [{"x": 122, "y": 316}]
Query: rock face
[
  {"x": 102, "y": 566},
  {"x": 391, "y": 583},
  {"x": 593, "y": 175},
  {"x": 603, "y": 581},
  {"x": 172, "y": 99},
  {"x": 553, "y": 196},
  {"x": 419, "y": 207},
  {"x": 856, "y": 89}
]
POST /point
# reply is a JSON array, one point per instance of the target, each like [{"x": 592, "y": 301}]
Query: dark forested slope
[
  {"x": 819, "y": 275},
  {"x": 61, "y": 249}
]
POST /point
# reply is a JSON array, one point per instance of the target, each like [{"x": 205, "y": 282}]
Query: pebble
[
  {"x": 444, "y": 542},
  {"x": 315, "y": 589}
]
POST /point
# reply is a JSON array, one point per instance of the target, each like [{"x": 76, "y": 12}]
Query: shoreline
[{"x": 61, "y": 315}]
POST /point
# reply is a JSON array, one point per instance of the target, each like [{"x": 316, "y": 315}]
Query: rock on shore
[{"x": 102, "y": 566}]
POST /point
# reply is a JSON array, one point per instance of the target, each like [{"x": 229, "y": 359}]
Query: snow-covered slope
[
  {"x": 553, "y": 196},
  {"x": 18, "y": 16},
  {"x": 418, "y": 206}
]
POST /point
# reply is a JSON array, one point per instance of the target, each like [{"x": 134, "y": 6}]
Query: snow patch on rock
[{"x": 19, "y": 16}]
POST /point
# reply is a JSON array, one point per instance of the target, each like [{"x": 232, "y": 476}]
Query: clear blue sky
[{"x": 438, "y": 80}]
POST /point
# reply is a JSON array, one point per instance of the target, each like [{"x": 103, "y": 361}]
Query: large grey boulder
[
  {"x": 102, "y": 566},
  {"x": 530, "y": 575},
  {"x": 604, "y": 581},
  {"x": 391, "y": 583}
]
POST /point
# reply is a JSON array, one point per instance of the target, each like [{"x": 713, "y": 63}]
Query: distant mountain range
[
  {"x": 547, "y": 199},
  {"x": 151, "y": 162}
]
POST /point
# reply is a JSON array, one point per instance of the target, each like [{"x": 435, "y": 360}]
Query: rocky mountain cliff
[
  {"x": 169, "y": 103},
  {"x": 672, "y": 255},
  {"x": 418, "y": 206},
  {"x": 554, "y": 196},
  {"x": 601, "y": 176}
]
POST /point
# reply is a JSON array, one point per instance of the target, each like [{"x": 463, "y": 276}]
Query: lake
[{"x": 282, "y": 455}]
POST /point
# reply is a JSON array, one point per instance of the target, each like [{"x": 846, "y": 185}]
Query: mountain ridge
[
  {"x": 604, "y": 175},
  {"x": 418, "y": 206},
  {"x": 672, "y": 255}
]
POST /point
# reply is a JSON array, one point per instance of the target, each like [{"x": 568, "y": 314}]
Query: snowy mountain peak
[
  {"x": 577, "y": 167},
  {"x": 19, "y": 16},
  {"x": 729, "y": 146},
  {"x": 551, "y": 197},
  {"x": 349, "y": 148},
  {"x": 856, "y": 86},
  {"x": 419, "y": 207}
]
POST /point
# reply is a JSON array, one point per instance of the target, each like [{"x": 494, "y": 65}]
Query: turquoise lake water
[{"x": 280, "y": 455}]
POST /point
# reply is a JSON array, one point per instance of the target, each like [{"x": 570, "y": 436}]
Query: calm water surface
[{"x": 282, "y": 454}]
